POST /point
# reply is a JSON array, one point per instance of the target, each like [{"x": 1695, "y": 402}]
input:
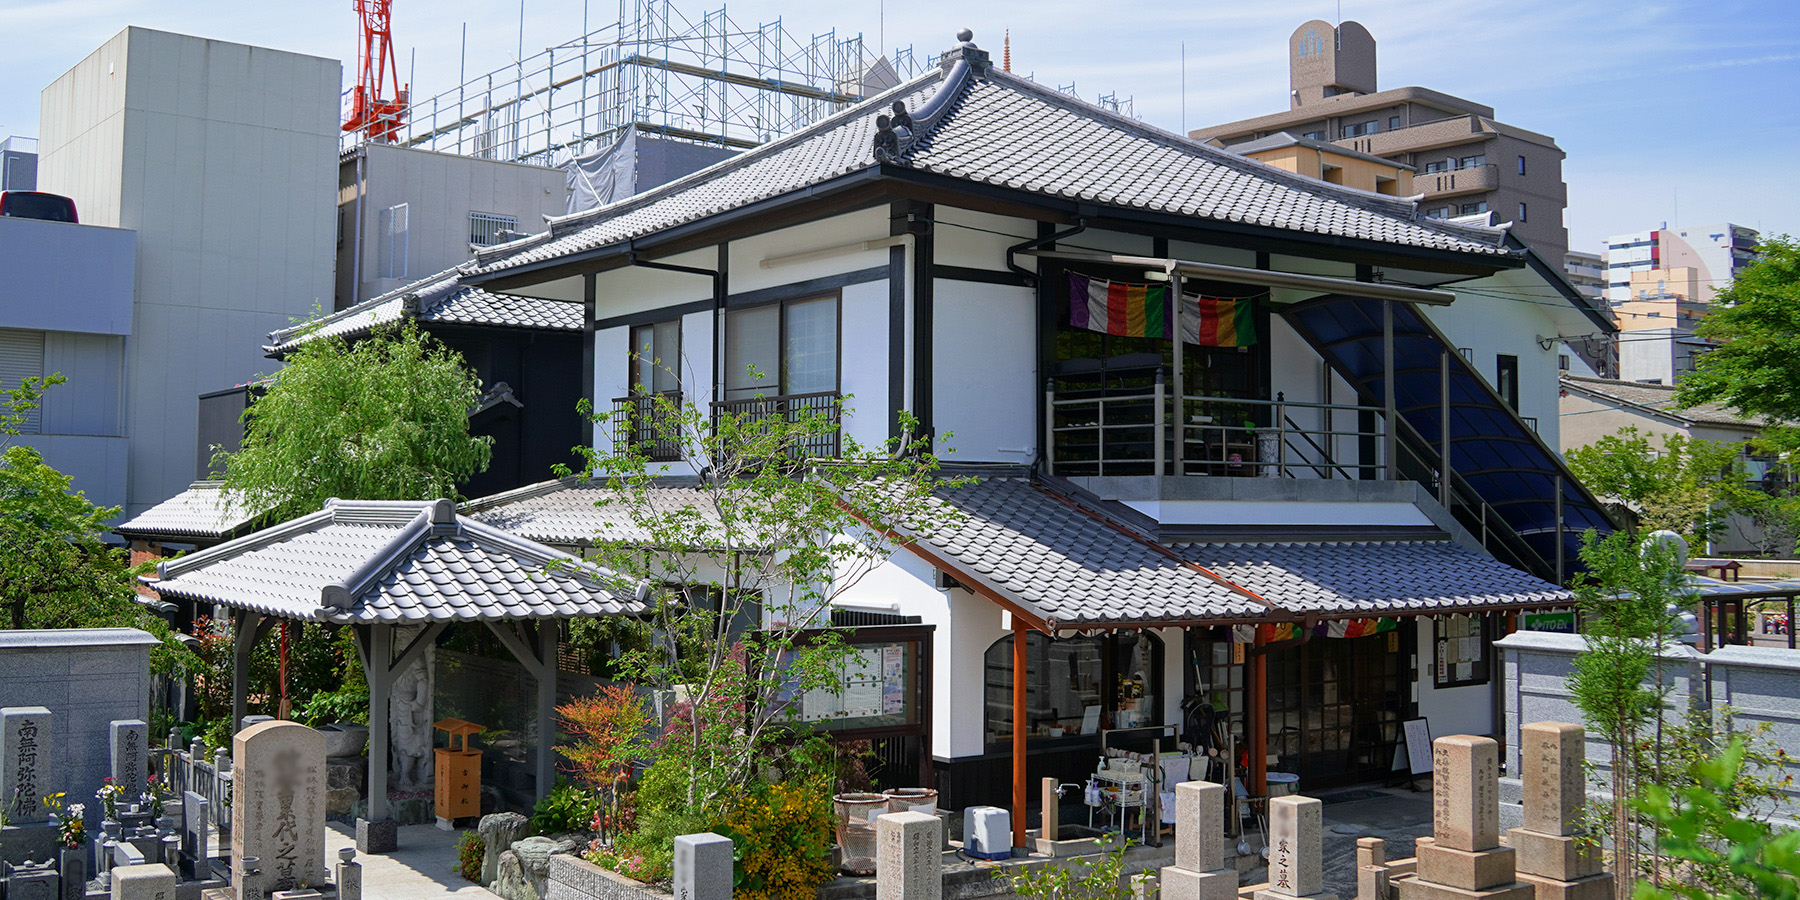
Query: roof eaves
[
  {"x": 173, "y": 568},
  {"x": 346, "y": 592}
]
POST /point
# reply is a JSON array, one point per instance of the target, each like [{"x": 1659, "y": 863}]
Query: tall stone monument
[
  {"x": 908, "y": 863},
  {"x": 24, "y": 758},
  {"x": 278, "y": 805},
  {"x": 130, "y": 742},
  {"x": 1199, "y": 871},
  {"x": 1296, "y": 849},
  {"x": 1552, "y": 858},
  {"x": 1464, "y": 858}
]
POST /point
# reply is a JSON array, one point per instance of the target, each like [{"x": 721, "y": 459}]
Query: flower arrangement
[
  {"x": 108, "y": 795},
  {"x": 70, "y": 833}
]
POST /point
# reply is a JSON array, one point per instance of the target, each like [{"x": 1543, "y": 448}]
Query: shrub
[
  {"x": 783, "y": 836},
  {"x": 606, "y": 733},
  {"x": 565, "y": 809},
  {"x": 469, "y": 852}
]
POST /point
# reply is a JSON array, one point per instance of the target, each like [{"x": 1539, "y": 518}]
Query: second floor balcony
[
  {"x": 1453, "y": 182},
  {"x": 655, "y": 424}
]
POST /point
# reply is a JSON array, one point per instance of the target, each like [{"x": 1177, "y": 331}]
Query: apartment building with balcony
[
  {"x": 1466, "y": 162},
  {"x": 1237, "y": 436},
  {"x": 1715, "y": 253}
]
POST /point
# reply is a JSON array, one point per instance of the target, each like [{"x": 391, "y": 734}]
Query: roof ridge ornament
[{"x": 897, "y": 133}]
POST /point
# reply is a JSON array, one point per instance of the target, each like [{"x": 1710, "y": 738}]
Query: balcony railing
[
  {"x": 648, "y": 424},
  {"x": 1156, "y": 433},
  {"x": 821, "y": 444},
  {"x": 1473, "y": 179}
]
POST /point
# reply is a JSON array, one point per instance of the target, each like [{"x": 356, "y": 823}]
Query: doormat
[{"x": 1350, "y": 796}]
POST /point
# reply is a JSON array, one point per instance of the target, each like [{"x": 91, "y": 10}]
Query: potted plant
[{"x": 71, "y": 839}]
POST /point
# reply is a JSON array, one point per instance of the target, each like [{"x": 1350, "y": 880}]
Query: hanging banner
[
  {"x": 1336, "y": 628},
  {"x": 1142, "y": 310},
  {"x": 1119, "y": 308}
]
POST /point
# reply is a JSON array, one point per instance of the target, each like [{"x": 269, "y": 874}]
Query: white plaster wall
[
  {"x": 984, "y": 373},
  {"x": 964, "y": 684},
  {"x": 1459, "y": 710},
  {"x": 612, "y": 375},
  {"x": 223, "y": 158},
  {"x": 977, "y": 240},
  {"x": 1490, "y": 324},
  {"x": 747, "y": 254},
  {"x": 635, "y": 289},
  {"x": 863, "y": 355},
  {"x": 698, "y": 344}
]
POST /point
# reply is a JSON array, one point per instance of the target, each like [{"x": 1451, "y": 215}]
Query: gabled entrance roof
[{"x": 394, "y": 562}]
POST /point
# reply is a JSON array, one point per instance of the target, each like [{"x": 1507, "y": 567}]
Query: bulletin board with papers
[
  {"x": 1462, "y": 650},
  {"x": 878, "y": 686}
]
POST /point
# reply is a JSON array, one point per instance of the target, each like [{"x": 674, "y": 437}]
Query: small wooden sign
[{"x": 458, "y": 777}]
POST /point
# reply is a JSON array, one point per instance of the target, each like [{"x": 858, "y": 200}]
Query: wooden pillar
[
  {"x": 546, "y": 707},
  {"x": 376, "y": 643},
  {"x": 251, "y": 626},
  {"x": 1018, "y": 732},
  {"x": 1259, "y": 720}
]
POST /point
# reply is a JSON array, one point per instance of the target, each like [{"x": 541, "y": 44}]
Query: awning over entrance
[{"x": 1495, "y": 455}]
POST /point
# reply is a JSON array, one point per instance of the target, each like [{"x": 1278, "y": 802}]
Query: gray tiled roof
[
  {"x": 574, "y": 512},
  {"x": 1070, "y": 568},
  {"x": 394, "y": 561},
  {"x": 1660, "y": 397},
  {"x": 198, "y": 512},
  {"x": 440, "y": 299},
  {"x": 1373, "y": 578},
  {"x": 1014, "y": 133}
]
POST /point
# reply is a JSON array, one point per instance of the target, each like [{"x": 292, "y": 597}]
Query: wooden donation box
[{"x": 458, "y": 771}]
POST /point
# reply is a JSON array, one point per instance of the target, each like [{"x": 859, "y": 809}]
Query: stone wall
[
  {"x": 86, "y": 677},
  {"x": 1755, "y": 684},
  {"x": 574, "y": 878}
]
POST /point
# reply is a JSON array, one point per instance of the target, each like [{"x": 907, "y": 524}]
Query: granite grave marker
[{"x": 278, "y": 804}]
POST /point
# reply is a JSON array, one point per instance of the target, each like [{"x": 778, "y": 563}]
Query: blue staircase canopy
[{"x": 1493, "y": 453}]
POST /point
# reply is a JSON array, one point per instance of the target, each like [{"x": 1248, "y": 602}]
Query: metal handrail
[
  {"x": 1297, "y": 448},
  {"x": 826, "y": 445}
]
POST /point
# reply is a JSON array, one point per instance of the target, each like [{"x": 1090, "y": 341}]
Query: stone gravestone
[
  {"x": 24, "y": 754},
  {"x": 1464, "y": 857},
  {"x": 278, "y": 804},
  {"x": 1199, "y": 871},
  {"x": 130, "y": 755},
  {"x": 196, "y": 856},
  {"x": 151, "y": 882},
  {"x": 1551, "y": 855},
  {"x": 703, "y": 867},
  {"x": 908, "y": 864},
  {"x": 1296, "y": 849},
  {"x": 349, "y": 875},
  {"x": 33, "y": 882}
]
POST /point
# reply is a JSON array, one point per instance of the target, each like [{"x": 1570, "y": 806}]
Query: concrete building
[
  {"x": 18, "y": 164},
  {"x": 220, "y": 157},
  {"x": 65, "y": 308},
  {"x": 1587, "y": 272},
  {"x": 1330, "y": 163},
  {"x": 1658, "y": 355},
  {"x": 404, "y": 213},
  {"x": 1467, "y": 162},
  {"x": 1716, "y": 253}
]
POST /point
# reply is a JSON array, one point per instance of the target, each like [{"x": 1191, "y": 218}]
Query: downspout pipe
[{"x": 1031, "y": 277}]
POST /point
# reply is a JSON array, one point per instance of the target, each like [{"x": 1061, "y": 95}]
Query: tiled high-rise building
[{"x": 1467, "y": 163}]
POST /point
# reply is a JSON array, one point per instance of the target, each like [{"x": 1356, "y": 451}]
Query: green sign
[{"x": 1562, "y": 622}]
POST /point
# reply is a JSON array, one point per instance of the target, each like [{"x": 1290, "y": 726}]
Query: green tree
[
  {"x": 386, "y": 418},
  {"x": 1756, "y": 368},
  {"x": 742, "y": 583},
  {"x": 1687, "y": 485},
  {"x": 56, "y": 570},
  {"x": 1702, "y": 830}
]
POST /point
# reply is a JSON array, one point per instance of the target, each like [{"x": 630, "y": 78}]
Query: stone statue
[{"x": 409, "y": 720}]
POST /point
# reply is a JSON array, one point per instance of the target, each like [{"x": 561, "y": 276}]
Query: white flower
[{"x": 76, "y": 809}]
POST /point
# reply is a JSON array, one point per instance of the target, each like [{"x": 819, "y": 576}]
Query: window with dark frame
[
  {"x": 1506, "y": 379},
  {"x": 1521, "y": 165},
  {"x": 783, "y": 348},
  {"x": 1462, "y": 650},
  {"x": 1522, "y": 210},
  {"x": 1116, "y": 678},
  {"x": 656, "y": 358}
]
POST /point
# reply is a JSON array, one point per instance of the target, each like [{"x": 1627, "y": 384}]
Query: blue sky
[{"x": 1683, "y": 112}]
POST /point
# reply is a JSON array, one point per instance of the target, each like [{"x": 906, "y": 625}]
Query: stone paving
[{"x": 422, "y": 869}]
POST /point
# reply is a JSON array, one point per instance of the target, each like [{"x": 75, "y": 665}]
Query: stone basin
[{"x": 344, "y": 738}]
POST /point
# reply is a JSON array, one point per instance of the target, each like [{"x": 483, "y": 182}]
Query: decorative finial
[
  {"x": 1006, "y": 53},
  {"x": 965, "y": 35}
]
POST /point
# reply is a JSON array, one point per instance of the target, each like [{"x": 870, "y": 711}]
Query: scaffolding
[{"x": 704, "y": 80}]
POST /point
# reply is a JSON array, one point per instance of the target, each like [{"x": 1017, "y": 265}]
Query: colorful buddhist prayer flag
[
  {"x": 1119, "y": 308},
  {"x": 1217, "y": 322},
  {"x": 1336, "y": 628}
]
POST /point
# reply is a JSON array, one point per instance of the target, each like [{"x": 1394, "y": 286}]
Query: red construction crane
[{"x": 378, "y": 117}]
